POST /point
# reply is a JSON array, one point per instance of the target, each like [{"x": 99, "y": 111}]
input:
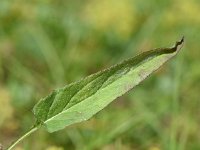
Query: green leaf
[{"x": 80, "y": 100}]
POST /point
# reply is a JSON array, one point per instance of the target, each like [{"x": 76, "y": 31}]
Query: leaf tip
[{"x": 179, "y": 44}]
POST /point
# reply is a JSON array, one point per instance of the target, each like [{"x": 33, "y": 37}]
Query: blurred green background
[{"x": 46, "y": 44}]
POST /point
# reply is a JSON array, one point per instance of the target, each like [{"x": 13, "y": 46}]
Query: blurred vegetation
[{"x": 45, "y": 44}]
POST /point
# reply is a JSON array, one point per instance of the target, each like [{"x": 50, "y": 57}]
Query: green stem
[{"x": 23, "y": 137}]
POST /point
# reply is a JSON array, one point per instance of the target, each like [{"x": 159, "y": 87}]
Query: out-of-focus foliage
[{"x": 46, "y": 44}]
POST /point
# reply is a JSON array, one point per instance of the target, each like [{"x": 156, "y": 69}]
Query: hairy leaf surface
[{"x": 80, "y": 100}]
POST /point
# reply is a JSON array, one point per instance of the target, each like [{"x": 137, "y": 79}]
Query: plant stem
[{"x": 23, "y": 137}]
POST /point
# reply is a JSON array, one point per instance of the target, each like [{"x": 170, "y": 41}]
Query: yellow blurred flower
[
  {"x": 111, "y": 15},
  {"x": 54, "y": 148},
  {"x": 19, "y": 148},
  {"x": 6, "y": 109},
  {"x": 184, "y": 11},
  {"x": 154, "y": 148}
]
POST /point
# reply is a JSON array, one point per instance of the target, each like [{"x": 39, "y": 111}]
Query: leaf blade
[{"x": 79, "y": 101}]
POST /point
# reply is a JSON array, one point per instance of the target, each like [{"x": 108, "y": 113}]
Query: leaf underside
[{"x": 80, "y": 100}]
